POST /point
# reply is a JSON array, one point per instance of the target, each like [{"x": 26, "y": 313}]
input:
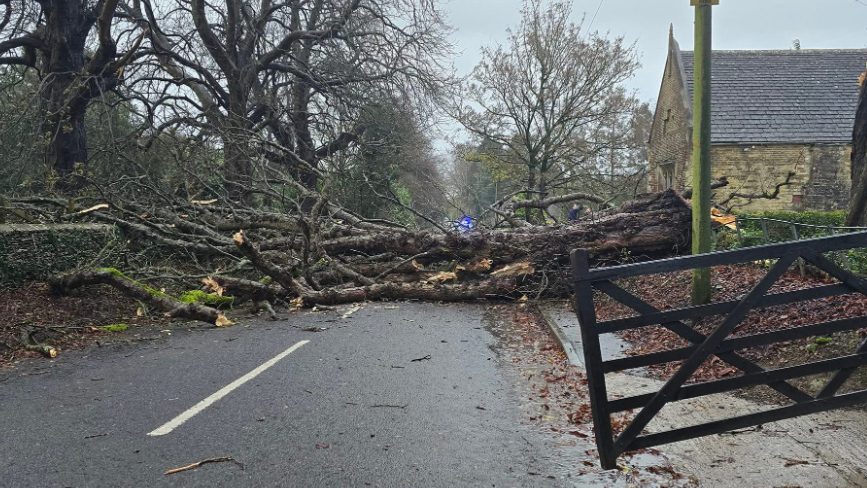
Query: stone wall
[
  {"x": 830, "y": 178},
  {"x": 670, "y": 136},
  {"x": 35, "y": 252},
  {"x": 821, "y": 180},
  {"x": 752, "y": 169}
]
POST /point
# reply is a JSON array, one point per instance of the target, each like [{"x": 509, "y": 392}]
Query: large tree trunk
[
  {"x": 237, "y": 167},
  {"x": 531, "y": 185},
  {"x": 67, "y": 25},
  {"x": 858, "y": 200},
  {"x": 485, "y": 264},
  {"x": 543, "y": 189},
  {"x": 304, "y": 145},
  {"x": 653, "y": 225},
  {"x": 235, "y": 135}
]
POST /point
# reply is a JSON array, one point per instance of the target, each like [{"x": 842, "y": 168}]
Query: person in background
[
  {"x": 578, "y": 211},
  {"x": 575, "y": 213}
]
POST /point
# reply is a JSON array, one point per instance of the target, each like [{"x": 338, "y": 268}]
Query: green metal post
[{"x": 701, "y": 164}]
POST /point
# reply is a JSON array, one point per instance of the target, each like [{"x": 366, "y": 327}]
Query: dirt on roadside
[{"x": 69, "y": 322}]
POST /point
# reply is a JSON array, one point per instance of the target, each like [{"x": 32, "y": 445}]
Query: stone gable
[
  {"x": 821, "y": 166},
  {"x": 670, "y": 142}
]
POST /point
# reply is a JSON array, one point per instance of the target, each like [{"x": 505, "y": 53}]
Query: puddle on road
[{"x": 555, "y": 410}]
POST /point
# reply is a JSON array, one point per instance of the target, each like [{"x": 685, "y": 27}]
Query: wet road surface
[{"x": 389, "y": 395}]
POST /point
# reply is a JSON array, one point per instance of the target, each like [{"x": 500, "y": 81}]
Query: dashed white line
[{"x": 207, "y": 402}]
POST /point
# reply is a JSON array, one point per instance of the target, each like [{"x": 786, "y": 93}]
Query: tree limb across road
[{"x": 348, "y": 263}]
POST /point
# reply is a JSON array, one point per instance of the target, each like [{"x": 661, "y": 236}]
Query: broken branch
[
  {"x": 65, "y": 284},
  {"x": 204, "y": 461}
]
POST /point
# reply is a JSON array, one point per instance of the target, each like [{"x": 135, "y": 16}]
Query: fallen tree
[
  {"x": 339, "y": 258},
  {"x": 64, "y": 284}
]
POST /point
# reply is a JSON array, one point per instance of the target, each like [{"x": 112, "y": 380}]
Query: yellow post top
[{"x": 697, "y": 3}]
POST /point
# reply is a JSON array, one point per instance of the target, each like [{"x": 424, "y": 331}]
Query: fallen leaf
[
  {"x": 213, "y": 286},
  {"x": 222, "y": 321}
]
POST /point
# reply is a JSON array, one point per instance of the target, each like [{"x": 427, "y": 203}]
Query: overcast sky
[{"x": 738, "y": 24}]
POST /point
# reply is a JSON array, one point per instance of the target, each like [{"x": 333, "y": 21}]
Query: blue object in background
[{"x": 466, "y": 224}]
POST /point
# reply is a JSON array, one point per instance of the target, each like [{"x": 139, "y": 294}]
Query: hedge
[
  {"x": 751, "y": 233},
  {"x": 778, "y": 231},
  {"x": 33, "y": 252}
]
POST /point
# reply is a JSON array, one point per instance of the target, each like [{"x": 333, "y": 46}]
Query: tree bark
[
  {"x": 531, "y": 185},
  {"x": 655, "y": 225},
  {"x": 67, "y": 25},
  {"x": 857, "y": 215},
  {"x": 543, "y": 189},
  {"x": 237, "y": 167}
]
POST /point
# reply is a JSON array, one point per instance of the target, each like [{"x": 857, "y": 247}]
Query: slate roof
[{"x": 806, "y": 96}]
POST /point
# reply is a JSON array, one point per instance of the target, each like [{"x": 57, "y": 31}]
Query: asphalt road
[{"x": 390, "y": 396}]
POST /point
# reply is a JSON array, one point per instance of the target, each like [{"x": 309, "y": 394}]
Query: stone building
[{"x": 772, "y": 112}]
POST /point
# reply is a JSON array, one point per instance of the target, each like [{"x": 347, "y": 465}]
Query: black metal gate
[{"x": 717, "y": 343}]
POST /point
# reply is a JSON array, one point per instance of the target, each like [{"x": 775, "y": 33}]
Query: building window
[
  {"x": 667, "y": 175},
  {"x": 665, "y": 122}
]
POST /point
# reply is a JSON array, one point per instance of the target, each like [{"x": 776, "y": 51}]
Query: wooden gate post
[{"x": 583, "y": 304}]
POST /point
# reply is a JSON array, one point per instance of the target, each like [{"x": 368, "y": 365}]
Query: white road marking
[{"x": 207, "y": 402}]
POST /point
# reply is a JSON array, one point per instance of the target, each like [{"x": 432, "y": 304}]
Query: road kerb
[{"x": 560, "y": 336}]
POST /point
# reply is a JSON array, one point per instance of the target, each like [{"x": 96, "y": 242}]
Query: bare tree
[
  {"x": 617, "y": 171},
  {"x": 282, "y": 83},
  {"x": 543, "y": 98},
  {"x": 74, "y": 49}
]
